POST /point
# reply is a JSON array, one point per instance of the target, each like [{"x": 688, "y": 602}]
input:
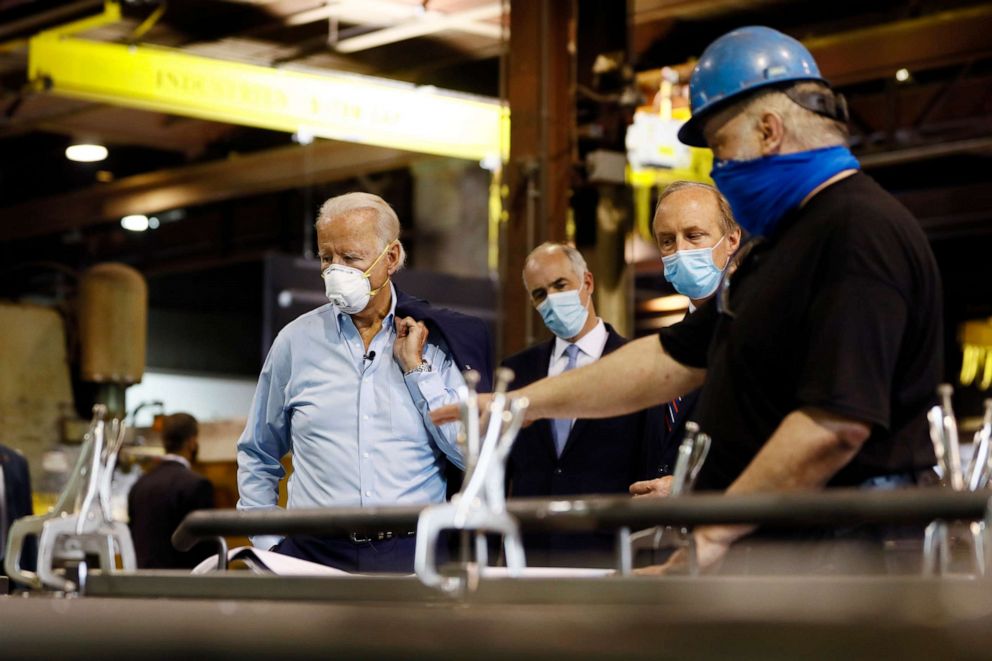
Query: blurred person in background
[{"x": 162, "y": 497}]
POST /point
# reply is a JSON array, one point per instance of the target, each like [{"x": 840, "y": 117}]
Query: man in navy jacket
[
  {"x": 566, "y": 457},
  {"x": 162, "y": 497}
]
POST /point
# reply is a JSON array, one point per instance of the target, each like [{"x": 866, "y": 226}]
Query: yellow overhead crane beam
[
  {"x": 333, "y": 105},
  {"x": 976, "y": 349}
]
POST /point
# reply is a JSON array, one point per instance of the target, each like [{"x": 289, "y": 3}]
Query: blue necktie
[
  {"x": 560, "y": 427},
  {"x": 672, "y": 412}
]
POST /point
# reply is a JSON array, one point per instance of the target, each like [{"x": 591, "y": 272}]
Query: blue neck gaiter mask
[{"x": 761, "y": 191}]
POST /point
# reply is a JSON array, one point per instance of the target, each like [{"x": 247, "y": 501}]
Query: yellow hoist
[{"x": 976, "y": 365}]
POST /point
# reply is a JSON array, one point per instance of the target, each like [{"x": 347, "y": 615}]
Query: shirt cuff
[
  {"x": 426, "y": 387},
  {"x": 265, "y": 542}
]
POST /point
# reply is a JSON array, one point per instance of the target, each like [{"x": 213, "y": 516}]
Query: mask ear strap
[
  {"x": 376, "y": 260},
  {"x": 373, "y": 292},
  {"x": 588, "y": 294}
]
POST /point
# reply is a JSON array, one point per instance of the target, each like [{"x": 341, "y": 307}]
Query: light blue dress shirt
[{"x": 360, "y": 431}]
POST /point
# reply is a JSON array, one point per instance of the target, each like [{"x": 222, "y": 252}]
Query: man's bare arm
[
  {"x": 807, "y": 449},
  {"x": 638, "y": 375}
]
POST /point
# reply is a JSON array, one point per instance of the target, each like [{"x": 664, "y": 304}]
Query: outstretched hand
[
  {"x": 712, "y": 544},
  {"x": 660, "y": 487},
  {"x": 452, "y": 412}
]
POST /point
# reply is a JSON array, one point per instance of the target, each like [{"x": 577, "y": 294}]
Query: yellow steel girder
[{"x": 334, "y": 105}]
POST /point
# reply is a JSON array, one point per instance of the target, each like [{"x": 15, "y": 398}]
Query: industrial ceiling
[{"x": 926, "y": 136}]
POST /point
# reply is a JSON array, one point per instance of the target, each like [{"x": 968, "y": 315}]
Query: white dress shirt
[
  {"x": 590, "y": 350},
  {"x": 179, "y": 460}
]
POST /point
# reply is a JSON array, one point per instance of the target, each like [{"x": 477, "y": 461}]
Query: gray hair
[
  {"x": 574, "y": 256},
  {"x": 806, "y": 128},
  {"x": 727, "y": 222},
  {"x": 387, "y": 223}
]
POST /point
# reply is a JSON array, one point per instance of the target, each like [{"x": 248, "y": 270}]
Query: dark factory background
[{"x": 228, "y": 247}]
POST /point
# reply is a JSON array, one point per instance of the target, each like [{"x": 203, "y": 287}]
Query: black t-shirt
[{"x": 839, "y": 310}]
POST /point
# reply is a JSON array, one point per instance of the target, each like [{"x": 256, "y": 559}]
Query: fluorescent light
[
  {"x": 86, "y": 153},
  {"x": 672, "y": 303},
  {"x": 491, "y": 162},
  {"x": 135, "y": 223},
  {"x": 902, "y": 75},
  {"x": 303, "y": 136}
]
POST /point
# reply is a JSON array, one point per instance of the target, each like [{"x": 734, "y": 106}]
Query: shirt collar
[
  {"x": 591, "y": 344},
  {"x": 387, "y": 321},
  {"x": 176, "y": 458}
]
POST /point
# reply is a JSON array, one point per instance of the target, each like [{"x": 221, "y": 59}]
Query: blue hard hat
[{"x": 739, "y": 62}]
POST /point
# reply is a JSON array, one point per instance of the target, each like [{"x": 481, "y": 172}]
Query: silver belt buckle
[{"x": 378, "y": 536}]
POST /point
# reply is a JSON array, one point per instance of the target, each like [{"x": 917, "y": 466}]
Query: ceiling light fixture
[
  {"x": 85, "y": 153},
  {"x": 902, "y": 75},
  {"x": 135, "y": 222},
  {"x": 663, "y": 304}
]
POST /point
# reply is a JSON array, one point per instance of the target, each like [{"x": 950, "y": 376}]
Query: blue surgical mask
[
  {"x": 763, "y": 190},
  {"x": 564, "y": 313},
  {"x": 693, "y": 273}
]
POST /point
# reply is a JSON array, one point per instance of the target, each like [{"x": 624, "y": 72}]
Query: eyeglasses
[{"x": 723, "y": 293}]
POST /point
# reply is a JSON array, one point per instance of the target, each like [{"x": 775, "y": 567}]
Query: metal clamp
[
  {"x": 81, "y": 523},
  {"x": 692, "y": 453},
  {"x": 937, "y": 551},
  {"x": 480, "y": 507}
]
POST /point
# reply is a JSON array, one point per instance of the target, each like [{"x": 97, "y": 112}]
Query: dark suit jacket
[
  {"x": 467, "y": 337},
  {"x": 600, "y": 457},
  {"x": 16, "y": 501},
  {"x": 468, "y": 340},
  {"x": 157, "y": 504}
]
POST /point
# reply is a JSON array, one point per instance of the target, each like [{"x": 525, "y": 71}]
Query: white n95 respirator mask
[{"x": 349, "y": 289}]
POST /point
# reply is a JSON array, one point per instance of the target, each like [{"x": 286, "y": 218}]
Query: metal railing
[{"x": 797, "y": 509}]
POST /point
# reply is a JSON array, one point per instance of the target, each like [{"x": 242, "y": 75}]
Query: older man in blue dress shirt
[{"x": 348, "y": 388}]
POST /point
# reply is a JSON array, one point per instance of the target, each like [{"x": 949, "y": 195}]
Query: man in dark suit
[
  {"x": 15, "y": 500},
  {"x": 572, "y": 457},
  {"x": 162, "y": 498}
]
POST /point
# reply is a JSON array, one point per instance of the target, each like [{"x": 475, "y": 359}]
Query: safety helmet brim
[
  {"x": 738, "y": 63},
  {"x": 691, "y": 132}
]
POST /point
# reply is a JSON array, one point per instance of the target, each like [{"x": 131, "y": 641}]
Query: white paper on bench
[{"x": 269, "y": 562}]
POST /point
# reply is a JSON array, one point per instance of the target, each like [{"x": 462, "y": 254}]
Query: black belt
[{"x": 378, "y": 536}]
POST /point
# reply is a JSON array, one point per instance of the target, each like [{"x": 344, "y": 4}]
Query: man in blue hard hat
[{"x": 821, "y": 352}]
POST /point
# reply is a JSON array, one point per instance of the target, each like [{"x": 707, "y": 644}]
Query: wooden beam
[
  {"x": 542, "y": 113},
  {"x": 876, "y": 52},
  {"x": 238, "y": 176},
  {"x": 928, "y": 42}
]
